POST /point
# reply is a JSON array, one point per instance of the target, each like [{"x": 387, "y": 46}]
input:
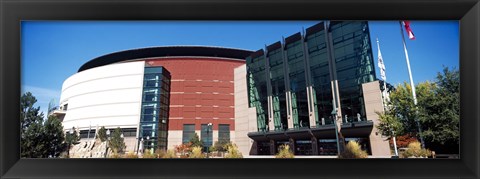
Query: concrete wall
[
  {"x": 245, "y": 117},
  {"x": 107, "y": 96},
  {"x": 374, "y": 103}
]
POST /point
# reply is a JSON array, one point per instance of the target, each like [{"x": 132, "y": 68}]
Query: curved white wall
[{"x": 107, "y": 96}]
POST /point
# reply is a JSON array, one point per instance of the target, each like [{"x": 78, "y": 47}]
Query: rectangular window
[
  {"x": 188, "y": 132},
  {"x": 206, "y": 135},
  {"x": 224, "y": 132}
]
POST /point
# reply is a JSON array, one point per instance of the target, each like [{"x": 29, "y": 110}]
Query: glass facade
[
  {"x": 297, "y": 86},
  {"x": 302, "y": 71},
  {"x": 277, "y": 80},
  {"x": 319, "y": 76},
  {"x": 206, "y": 136},
  {"x": 257, "y": 88},
  {"x": 224, "y": 132},
  {"x": 188, "y": 132},
  {"x": 354, "y": 65},
  {"x": 155, "y": 107}
]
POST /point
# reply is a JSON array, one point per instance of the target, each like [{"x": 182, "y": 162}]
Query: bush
[
  {"x": 233, "y": 152},
  {"x": 197, "y": 152},
  {"x": 148, "y": 154},
  {"x": 170, "y": 154},
  {"x": 184, "y": 149},
  {"x": 284, "y": 152},
  {"x": 353, "y": 150},
  {"x": 131, "y": 155},
  {"x": 415, "y": 150},
  {"x": 115, "y": 155}
]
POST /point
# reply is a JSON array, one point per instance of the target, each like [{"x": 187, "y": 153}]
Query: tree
[
  {"x": 437, "y": 110},
  {"x": 195, "y": 141},
  {"x": 102, "y": 134},
  {"x": 30, "y": 127},
  {"x": 221, "y": 146},
  {"x": 440, "y": 115},
  {"x": 116, "y": 143},
  {"x": 53, "y": 134},
  {"x": 38, "y": 138},
  {"x": 71, "y": 138}
]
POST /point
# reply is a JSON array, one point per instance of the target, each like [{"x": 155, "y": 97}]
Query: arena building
[
  {"x": 288, "y": 93},
  {"x": 159, "y": 95}
]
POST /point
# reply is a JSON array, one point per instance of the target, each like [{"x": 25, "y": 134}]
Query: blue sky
[{"x": 54, "y": 50}]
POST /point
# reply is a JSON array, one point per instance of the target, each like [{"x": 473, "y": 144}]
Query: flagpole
[
  {"x": 411, "y": 84},
  {"x": 384, "y": 93}
]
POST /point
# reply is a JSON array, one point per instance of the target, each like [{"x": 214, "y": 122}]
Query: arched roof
[{"x": 165, "y": 51}]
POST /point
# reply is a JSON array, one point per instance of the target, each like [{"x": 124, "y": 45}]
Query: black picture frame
[{"x": 13, "y": 11}]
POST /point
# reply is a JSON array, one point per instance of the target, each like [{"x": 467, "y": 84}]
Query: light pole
[
  {"x": 208, "y": 136},
  {"x": 108, "y": 140},
  {"x": 334, "y": 114},
  {"x": 148, "y": 143}
]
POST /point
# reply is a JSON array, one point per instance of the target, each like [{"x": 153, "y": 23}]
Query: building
[
  {"x": 293, "y": 87},
  {"x": 285, "y": 93},
  {"x": 158, "y": 95}
]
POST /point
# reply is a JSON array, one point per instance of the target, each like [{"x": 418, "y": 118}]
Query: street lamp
[
  {"x": 334, "y": 114},
  {"x": 148, "y": 143},
  {"x": 108, "y": 140},
  {"x": 208, "y": 135}
]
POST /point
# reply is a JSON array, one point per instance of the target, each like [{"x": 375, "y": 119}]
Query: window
[
  {"x": 188, "y": 132},
  {"x": 224, "y": 132},
  {"x": 206, "y": 135}
]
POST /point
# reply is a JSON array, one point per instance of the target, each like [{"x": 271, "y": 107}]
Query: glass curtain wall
[
  {"x": 277, "y": 80},
  {"x": 298, "y": 87},
  {"x": 320, "y": 74},
  {"x": 155, "y": 104},
  {"x": 257, "y": 88},
  {"x": 354, "y": 65}
]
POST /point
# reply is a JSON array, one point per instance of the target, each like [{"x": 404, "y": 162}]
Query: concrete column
[
  {"x": 272, "y": 147},
  {"x": 291, "y": 143},
  {"x": 314, "y": 145},
  {"x": 372, "y": 97}
]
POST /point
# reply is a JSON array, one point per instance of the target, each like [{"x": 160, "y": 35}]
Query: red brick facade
[{"x": 201, "y": 90}]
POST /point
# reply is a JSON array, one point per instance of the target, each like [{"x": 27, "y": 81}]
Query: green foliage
[
  {"x": 415, "y": 150},
  {"x": 39, "y": 138},
  {"x": 197, "y": 152},
  {"x": 170, "y": 154},
  {"x": 284, "y": 152},
  {"x": 102, "y": 134},
  {"x": 130, "y": 155},
  {"x": 353, "y": 150},
  {"x": 221, "y": 146},
  {"x": 116, "y": 142},
  {"x": 440, "y": 114},
  {"x": 73, "y": 137},
  {"x": 195, "y": 141},
  {"x": 232, "y": 151},
  {"x": 53, "y": 134},
  {"x": 149, "y": 154},
  {"x": 437, "y": 110}
]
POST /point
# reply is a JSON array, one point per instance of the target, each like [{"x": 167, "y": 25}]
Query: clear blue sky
[{"x": 54, "y": 50}]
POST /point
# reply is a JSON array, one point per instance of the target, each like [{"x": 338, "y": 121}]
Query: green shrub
[
  {"x": 284, "y": 152},
  {"x": 170, "y": 154},
  {"x": 130, "y": 155},
  {"x": 233, "y": 152},
  {"x": 197, "y": 152},
  {"x": 415, "y": 150},
  {"x": 148, "y": 154},
  {"x": 353, "y": 150}
]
